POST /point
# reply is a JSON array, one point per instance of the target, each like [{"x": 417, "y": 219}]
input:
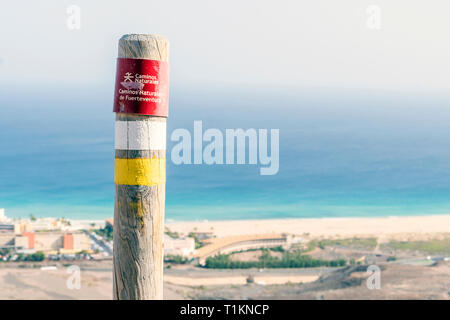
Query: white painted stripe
[{"x": 140, "y": 135}]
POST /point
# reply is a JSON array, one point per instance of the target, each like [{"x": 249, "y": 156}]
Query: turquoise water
[{"x": 341, "y": 154}]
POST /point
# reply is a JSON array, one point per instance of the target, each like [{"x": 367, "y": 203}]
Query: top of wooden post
[{"x": 144, "y": 46}]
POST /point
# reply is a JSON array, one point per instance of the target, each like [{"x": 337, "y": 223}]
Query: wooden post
[{"x": 141, "y": 106}]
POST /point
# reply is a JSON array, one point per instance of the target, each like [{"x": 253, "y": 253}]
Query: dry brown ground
[
  {"x": 33, "y": 283},
  {"x": 397, "y": 282}
]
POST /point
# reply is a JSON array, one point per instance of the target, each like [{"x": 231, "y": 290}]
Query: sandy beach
[{"x": 408, "y": 227}]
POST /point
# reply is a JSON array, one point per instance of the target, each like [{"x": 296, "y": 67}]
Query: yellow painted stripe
[{"x": 140, "y": 171}]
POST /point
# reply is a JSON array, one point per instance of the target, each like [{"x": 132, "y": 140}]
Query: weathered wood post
[{"x": 141, "y": 106}]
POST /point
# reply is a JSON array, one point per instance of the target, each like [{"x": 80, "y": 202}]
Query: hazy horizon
[
  {"x": 362, "y": 112},
  {"x": 323, "y": 44}
]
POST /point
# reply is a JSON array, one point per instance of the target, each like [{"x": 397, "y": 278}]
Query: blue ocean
[{"x": 342, "y": 154}]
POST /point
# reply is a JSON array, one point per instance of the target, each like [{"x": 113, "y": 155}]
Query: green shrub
[
  {"x": 277, "y": 249},
  {"x": 433, "y": 246},
  {"x": 172, "y": 234},
  {"x": 198, "y": 242},
  {"x": 362, "y": 243},
  {"x": 107, "y": 232},
  {"x": 38, "y": 256},
  {"x": 391, "y": 258},
  {"x": 288, "y": 260},
  {"x": 175, "y": 259}
]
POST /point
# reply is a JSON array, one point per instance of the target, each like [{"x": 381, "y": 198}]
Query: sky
[{"x": 322, "y": 44}]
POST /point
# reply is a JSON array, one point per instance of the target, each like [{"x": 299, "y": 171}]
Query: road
[{"x": 100, "y": 243}]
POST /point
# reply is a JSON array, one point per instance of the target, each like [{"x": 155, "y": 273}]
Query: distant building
[
  {"x": 6, "y": 227},
  {"x": 179, "y": 246},
  {"x": 245, "y": 242},
  {"x": 46, "y": 241},
  {"x": 76, "y": 242},
  {"x": 7, "y": 240},
  {"x": 21, "y": 227},
  {"x": 75, "y": 225},
  {"x": 46, "y": 224},
  {"x": 2, "y": 215},
  {"x": 25, "y": 241},
  {"x": 10, "y": 226}
]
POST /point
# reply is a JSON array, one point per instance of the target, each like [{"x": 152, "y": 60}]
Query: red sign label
[{"x": 142, "y": 87}]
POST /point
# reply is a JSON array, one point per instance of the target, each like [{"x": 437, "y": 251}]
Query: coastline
[
  {"x": 404, "y": 228},
  {"x": 400, "y": 226}
]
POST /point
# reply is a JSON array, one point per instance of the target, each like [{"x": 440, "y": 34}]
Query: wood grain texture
[
  {"x": 144, "y": 46},
  {"x": 138, "y": 234},
  {"x": 139, "y": 209}
]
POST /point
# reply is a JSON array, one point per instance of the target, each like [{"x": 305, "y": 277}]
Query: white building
[
  {"x": 2, "y": 215},
  {"x": 45, "y": 224},
  {"x": 179, "y": 246}
]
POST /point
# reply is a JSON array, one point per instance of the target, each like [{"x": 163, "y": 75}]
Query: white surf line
[{"x": 140, "y": 135}]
